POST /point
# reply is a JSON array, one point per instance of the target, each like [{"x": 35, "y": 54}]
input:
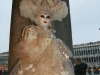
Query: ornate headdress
[{"x": 57, "y": 8}]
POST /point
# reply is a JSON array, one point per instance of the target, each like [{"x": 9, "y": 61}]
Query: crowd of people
[
  {"x": 81, "y": 68},
  {"x": 94, "y": 69},
  {"x": 3, "y": 72}
]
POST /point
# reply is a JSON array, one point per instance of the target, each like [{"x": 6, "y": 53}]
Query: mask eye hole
[
  {"x": 48, "y": 17},
  {"x": 42, "y": 16}
]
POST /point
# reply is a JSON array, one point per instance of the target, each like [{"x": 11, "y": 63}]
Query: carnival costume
[{"x": 39, "y": 51}]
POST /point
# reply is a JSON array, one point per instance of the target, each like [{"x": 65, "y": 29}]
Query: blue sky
[{"x": 85, "y": 21}]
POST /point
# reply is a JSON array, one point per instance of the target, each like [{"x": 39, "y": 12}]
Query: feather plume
[{"x": 29, "y": 9}]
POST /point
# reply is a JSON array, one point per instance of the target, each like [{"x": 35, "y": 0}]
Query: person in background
[
  {"x": 89, "y": 70},
  {"x": 95, "y": 69},
  {"x": 0, "y": 72},
  {"x": 80, "y": 67},
  {"x": 4, "y": 72}
]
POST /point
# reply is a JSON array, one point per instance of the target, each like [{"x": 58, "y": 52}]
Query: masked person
[{"x": 39, "y": 51}]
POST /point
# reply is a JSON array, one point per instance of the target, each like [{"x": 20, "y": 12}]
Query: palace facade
[
  {"x": 89, "y": 52},
  {"x": 4, "y": 61}
]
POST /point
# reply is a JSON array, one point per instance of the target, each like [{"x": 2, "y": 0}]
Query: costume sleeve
[
  {"x": 66, "y": 53},
  {"x": 64, "y": 49},
  {"x": 29, "y": 46}
]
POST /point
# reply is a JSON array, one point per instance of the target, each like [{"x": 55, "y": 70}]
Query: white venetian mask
[{"x": 44, "y": 20}]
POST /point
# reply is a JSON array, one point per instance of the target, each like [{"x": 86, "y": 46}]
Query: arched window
[
  {"x": 79, "y": 53},
  {"x": 94, "y": 59},
  {"x": 89, "y": 52},
  {"x": 75, "y": 53},
  {"x": 99, "y": 58},
  {"x": 89, "y": 59},
  {"x": 98, "y": 51},
  {"x": 95, "y": 51},
  {"x": 84, "y": 52},
  {"x": 92, "y": 51}
]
